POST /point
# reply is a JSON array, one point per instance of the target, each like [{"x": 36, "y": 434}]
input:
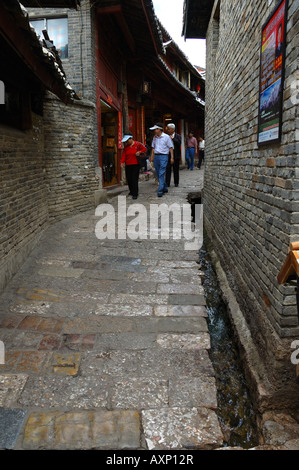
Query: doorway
[{"x": 109, "y": 136}]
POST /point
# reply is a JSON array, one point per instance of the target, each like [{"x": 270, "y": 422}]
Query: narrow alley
[
  {"x": 137, "y": 314},
  {"x": 107, "y": 342}
]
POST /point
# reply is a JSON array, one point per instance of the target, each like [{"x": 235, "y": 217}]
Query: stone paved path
[{"x": 107, "y": 342}]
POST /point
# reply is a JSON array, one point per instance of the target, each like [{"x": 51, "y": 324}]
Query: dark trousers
[
  {"x": 176, "y": 171},
  {"x": 132, "y": 175},
  {"x": 201, "y": 157}
]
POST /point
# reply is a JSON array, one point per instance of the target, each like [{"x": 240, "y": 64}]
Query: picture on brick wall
[{"x": 272, "y": 76}]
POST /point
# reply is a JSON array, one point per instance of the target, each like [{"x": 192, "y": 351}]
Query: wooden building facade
[{"x": 129, "y": 73}]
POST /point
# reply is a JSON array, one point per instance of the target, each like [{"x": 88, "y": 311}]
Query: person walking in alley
[
  {"x": 177, "y": 140},
  {"x": 162, "y": 146},
  {"x": 130, "y": 161},
  {"x": 191, "y": 145},
  {"x": 201, "y": 155}
]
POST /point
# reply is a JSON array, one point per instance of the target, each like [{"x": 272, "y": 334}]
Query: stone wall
[
  {"x": 69, "y": 148},
  {"x": 251, "y": 197},
  {"x": 23, "y": 195},
  {"x": 52, "y": 171},
  {"x": 47, "y": 173}
]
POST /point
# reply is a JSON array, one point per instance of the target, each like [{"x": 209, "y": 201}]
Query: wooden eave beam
[
  {"x": 116, "y": 10},
  {"x": 109, "y": 10},
  {"x": 126, "y": 31}
]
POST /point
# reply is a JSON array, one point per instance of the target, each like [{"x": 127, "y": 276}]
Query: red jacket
[{"x": 129, "y": 153}]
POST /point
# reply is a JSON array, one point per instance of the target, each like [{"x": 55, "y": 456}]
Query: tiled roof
[
  {"x": 192, "y": 94},
  {"x": 47, "y": 56}
]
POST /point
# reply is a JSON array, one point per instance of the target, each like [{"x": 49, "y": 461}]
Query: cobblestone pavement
[{"x": 107, "y": 342}]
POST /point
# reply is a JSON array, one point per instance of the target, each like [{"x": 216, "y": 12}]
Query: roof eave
[
  {"x": 74, "y": 4},
  {"x": 197, "y": 14},
  {"x": 16, "y": 31},
  {"x": 180, "y": 86}
]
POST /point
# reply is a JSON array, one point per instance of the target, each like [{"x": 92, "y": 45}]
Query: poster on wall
[{"x": 272, "y": 75}]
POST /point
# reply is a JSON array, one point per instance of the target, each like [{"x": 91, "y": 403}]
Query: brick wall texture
[
  {"x": 251, "y": 197},
  {"x": 69, "y": 150},
  {"x": 23, "y": 194},
  {"x": 46, "y": 173}
]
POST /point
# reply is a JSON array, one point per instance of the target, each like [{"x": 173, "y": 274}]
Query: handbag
[{"x": 140, "y": 157}]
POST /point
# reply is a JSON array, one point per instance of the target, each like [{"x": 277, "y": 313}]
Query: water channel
[{"x": 235, "y": 408}]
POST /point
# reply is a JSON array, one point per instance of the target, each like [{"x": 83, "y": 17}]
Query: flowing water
[{"x": 235, "y": 409}]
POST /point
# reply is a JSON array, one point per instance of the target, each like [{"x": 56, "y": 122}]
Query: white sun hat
[{"x": 126, "y": 138}]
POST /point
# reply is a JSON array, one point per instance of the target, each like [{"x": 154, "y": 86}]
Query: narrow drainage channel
[{"x": 235, "y": 409}]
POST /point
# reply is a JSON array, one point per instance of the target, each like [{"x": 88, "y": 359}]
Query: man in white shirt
[{"x": 162, "y": 145}]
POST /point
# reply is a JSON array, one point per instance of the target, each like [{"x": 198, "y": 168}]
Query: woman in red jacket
[{"x": 129, "y": 160}]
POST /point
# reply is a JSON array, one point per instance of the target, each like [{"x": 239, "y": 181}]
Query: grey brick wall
[
  {"x": 69, "y": 149},
  {"x": 250, "y": 193},
  {"x": 23, "y": 195},
  {"x": 46, "y": 173}
]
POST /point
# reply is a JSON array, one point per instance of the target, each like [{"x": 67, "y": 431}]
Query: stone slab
[
  {"x": 115, "y": 364},
  {"x": 139, "y": 393},
  {"x": 65, "y": 363},
  {"x": 23, "y": 340},
  {"x": 176, "y": 324},
  {"x": 172, "y": 363},
  {"x": 139, "y": 299},
  {"x": 193, "y": 392},
  {"x": 99, "y": 325},
  {"x": 11, "y": 422},
  {"x": 123, "y": 341},
  {"x": 124, "y": 310},
  {"x": 69, "y": 392},
  {"x": 186, "y": 299},
  {"x": 117, "y": 429},
  {"x": 179, "y": 288},
  {"x": 180, "y": 311},
  {"x": 60, "y": 272},
  {"x": 11, "y": 386},
  {"x": 184, "y": 341},
  {"x": 181, "y": 428}
]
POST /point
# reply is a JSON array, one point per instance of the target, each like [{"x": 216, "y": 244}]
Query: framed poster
[{"x": 272, "y": 75}]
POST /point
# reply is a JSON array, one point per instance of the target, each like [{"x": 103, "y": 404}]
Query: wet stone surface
[
  {"x": 11, "y": 421},
  {"x": 106, "y": 341}
]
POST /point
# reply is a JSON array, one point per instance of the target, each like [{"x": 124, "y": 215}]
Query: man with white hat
[
  {"x": 130, "y": 160},
  {"x": 162, "y": 145}
]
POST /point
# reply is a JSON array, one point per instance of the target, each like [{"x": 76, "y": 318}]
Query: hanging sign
[{"x": 119, "y": 130}]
